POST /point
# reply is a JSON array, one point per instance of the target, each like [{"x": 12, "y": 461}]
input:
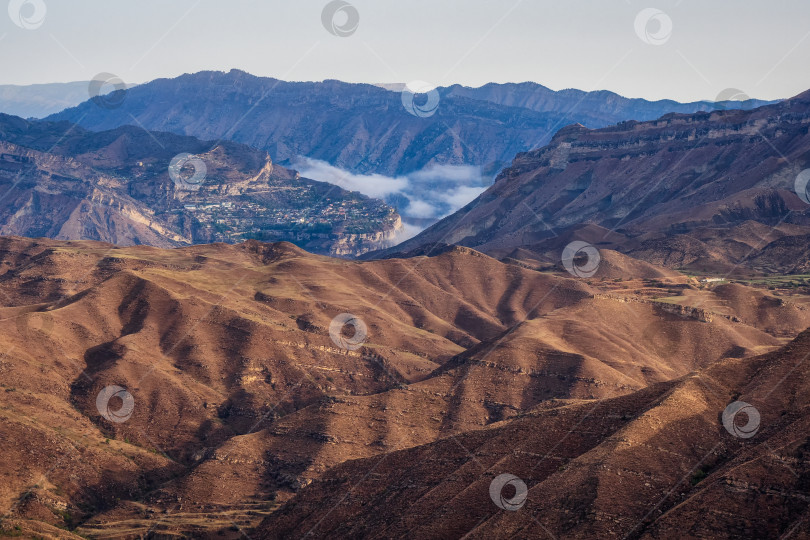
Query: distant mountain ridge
[
  {"x": 357, "y": 127},
  {"x": 40, "y": 100},
  {"x": 365, "y": 128},
  {"x": 604, "y": 106}
]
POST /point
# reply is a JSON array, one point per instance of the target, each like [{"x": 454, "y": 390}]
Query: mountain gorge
[{"x": 426, "y": 154}]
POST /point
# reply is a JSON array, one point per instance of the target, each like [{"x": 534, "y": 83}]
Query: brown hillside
[{"x": 241, "y": 398}]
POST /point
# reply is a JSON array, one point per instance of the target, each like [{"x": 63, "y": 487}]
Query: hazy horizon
[
  {"x": 391, "y": 83},
  {"x": 701, "y": 50}
]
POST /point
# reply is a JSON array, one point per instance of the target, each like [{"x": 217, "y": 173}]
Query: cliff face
[
  {"x": 360, "y": 243},
  {"x": 684, "y": 312},
  {"x": 340, "y": 243},
  {"x": 645, "y": 180},
  {"x": 66, "y": 183}
]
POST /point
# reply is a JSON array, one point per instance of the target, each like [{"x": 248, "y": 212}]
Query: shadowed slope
[{"x": 657, "y": 463}]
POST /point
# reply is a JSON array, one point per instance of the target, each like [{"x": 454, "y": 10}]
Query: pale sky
[{"x": 759, "y": 47}]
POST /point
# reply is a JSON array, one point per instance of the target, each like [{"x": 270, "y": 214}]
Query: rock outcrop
[{"x": 67, "y": 183}]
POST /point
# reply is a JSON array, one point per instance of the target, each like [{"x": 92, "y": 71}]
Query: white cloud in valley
[
  {"x": 373, "y": 185},
  {"x": 429, "y": 194},
  {"x": 460, "y": 196},
  {"x": 459, "y": 174},
  {"x": 420, "y": 209}
]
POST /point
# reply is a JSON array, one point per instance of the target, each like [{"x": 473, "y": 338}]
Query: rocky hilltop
[{"x": 64, "y": 182}]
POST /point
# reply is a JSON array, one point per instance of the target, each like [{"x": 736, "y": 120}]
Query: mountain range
[
  {"x": 364, "y": 128},
  {"x": 395, "y": 139},
  {"x": 171, "y": 369},
  {"x": 599, "y": 108}
]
